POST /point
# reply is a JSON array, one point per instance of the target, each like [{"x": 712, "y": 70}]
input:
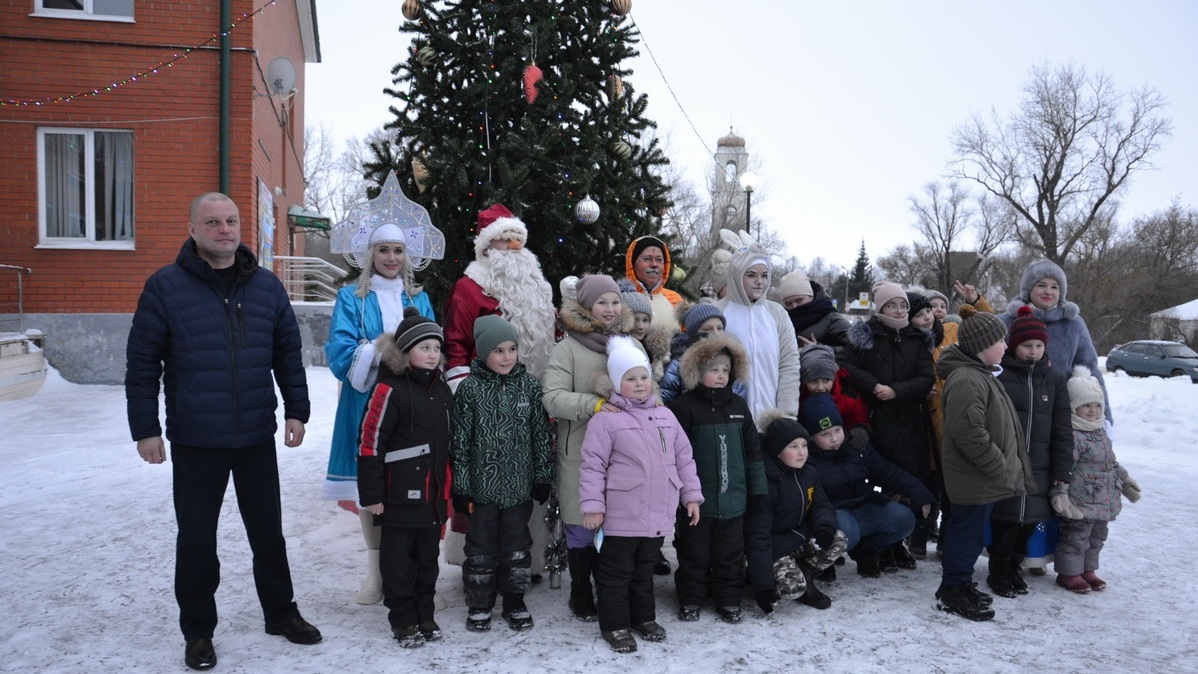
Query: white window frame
[
  {"x": 88, "y": 241},
  {"x": 87, "y": 13}
]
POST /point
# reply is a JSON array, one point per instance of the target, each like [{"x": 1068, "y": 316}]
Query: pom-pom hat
[
  {"x": 1025, "y": 327},
  {"x": 622, "y": 356},
  {"x": 979, "y": 330},
  {"x": 1084, "y": 388},
  {"x": 414, "y": 329}
]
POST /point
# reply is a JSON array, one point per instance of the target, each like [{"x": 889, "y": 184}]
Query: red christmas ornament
[{"x": 532, "y": 75}]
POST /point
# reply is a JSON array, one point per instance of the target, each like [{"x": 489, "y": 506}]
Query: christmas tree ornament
[
  {"x": 615, "y": 87},
  {"x": 621, "y": 149},
  {"x": 351, "y": 237},
  {"x": 587, "y": 210},
  {"x": 622, "y": 7},
  {"x": 412, "y": 9},
  {"x": 532, "y": 75},
  {"x": 426, "y": 55},
  {"x": 420, "y": 173}
]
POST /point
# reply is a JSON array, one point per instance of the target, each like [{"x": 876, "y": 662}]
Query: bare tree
[
  {"x": 1062, "y": 159},
  {"x": 334, "y": 177},
  {"x": 942, "y": 217},
  {"x": 909, "y": 265}
]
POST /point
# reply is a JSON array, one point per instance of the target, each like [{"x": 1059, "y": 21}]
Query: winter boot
[
  {"x": 1016, "y": 576},
  {"x": 958, "y": 600},
  {"x": 650, "y": 630},
  {"x": 729, "y": 614},
  {"x": 828, "y": 575},
  {"x": 661, "y": 567},
  {"x": 902, "y": 558},
  {"x": 430, "y": 630},
  {"x": 1073, "y": 584},
  {"x": 980, "y": 598},
  {"x": 1094, "y": 581},
  {"x": 621, "y": 641},
  {"x": 371, "y": 591},
  {"x": 812, "y": 596},
  {"x": 478, "y": 619},
  {"x": 582, "y": 597},
  {"x": 999, "y": 578},
  {"x": 408, "y": 636},
  {"x": 688, "y": 613},
  {"x": 867, "y": 560},
  {"x": 886, "y": 562},
  {"x": 515, "y": 612},
  {"x": 917, "y": 542}
]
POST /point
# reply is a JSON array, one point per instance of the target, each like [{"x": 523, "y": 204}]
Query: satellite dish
[{"x": 280, "y": 75}]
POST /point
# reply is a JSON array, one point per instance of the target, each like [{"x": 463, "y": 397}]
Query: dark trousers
[
  {"x": 962, "y": 540},
  {"x": 201, "y": 476},
  {"x": 497, "y": 550},
  {"x": 1008, "y": 540},
  {"x": 408, "y": 565},
  {"x": 624, "y": 576},
  {"x": 711, "y": 560}
]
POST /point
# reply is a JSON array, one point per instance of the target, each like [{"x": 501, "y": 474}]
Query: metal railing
[
  {"x": 309, "y": 279},
  {"x": 20, "y": 293}
]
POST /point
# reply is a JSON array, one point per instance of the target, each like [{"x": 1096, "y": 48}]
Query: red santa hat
[{"x": 497, "y": 222}]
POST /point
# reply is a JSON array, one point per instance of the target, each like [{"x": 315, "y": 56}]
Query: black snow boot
[
  {"x": 582, "y": 596},
  {"x": 515, "y": 612},
  {"x": 812, "y": 596},
  {"x": 902, "y": 558},
  {"x": 959, "y": 600},
  {"x": 999, "y": 578},
  {"x": 867, "y": 560}
]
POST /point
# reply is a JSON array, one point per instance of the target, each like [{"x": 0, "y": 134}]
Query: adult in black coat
[{"x": 1041, "y": 399}]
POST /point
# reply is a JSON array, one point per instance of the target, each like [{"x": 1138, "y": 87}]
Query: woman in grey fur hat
[{"x": 1044, "y": 288}]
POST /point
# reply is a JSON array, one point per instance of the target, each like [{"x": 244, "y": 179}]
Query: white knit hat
[
  {"x": 796, "y": 283},
  {"x": 1083, "y": 387},
  {"x": 622, "y": 356}
]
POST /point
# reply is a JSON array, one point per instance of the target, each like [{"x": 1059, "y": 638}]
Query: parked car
[{"x": 1146, "y": 357}]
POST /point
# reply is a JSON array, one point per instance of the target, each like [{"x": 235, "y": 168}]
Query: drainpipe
[{"x": 224, "y": 95}]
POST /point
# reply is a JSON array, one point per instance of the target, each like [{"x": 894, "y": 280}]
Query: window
[
  {"x": 85, "y": 187},
  {"x": 85, "y": 9}
]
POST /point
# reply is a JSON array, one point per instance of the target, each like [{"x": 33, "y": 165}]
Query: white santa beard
[{"x": 525, "y": 299}]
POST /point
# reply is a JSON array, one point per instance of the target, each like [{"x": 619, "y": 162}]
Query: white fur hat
[{"x": 497, "y": 222}]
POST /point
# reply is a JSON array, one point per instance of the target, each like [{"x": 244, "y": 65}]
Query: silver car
[{"x": 1148, "y": 357}]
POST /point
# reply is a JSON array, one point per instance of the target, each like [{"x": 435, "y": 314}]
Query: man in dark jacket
[{"x": 215, "y": 327}]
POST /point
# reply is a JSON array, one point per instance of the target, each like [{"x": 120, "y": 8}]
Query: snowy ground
[{"x": 88, "y": 546}]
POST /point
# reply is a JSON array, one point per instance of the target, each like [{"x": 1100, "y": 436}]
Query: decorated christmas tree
[{"x": 526, "y": 104}]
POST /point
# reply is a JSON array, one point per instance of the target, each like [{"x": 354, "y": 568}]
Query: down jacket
[
  {"x": 786, "y": 518},
  {"x": 902, "y": 360},
  {"x": 820, "y": 319},
  {"x": 984, "y": 458},
  {"x": 849, "y": 476},
  {"x": 569, "y": 397},
  {"x": 501, "y": 441},
  {"x": 1041, "y": 401},
  {"x": 403, "y": 459},
  {"x": 637, "y": 468},
  {"x": 1097, "y": 477},
  {"x": 218, "y": 356},
  {"x": 724, "y": 440}
]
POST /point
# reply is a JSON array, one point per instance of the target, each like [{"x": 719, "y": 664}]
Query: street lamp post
[{"x": 748, "y": 180}]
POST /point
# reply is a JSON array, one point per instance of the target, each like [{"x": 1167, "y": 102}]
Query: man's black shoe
[
  {"x": 297, "y": 630},
  {"x": 200, "y": 654}
]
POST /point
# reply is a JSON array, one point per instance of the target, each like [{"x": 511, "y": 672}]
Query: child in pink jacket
[{"x": 637, "y": 468}]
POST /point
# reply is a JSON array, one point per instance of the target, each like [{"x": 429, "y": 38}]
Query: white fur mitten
[
  {"x": 1058, "y": 496},
  {"x": 365, "y": 368},
  {"x": 1131, "y": 489}
]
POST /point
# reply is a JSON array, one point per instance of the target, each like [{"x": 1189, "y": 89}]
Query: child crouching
[
  {"x": 403, "y": 472},
  {"x": 636, "y": 469},
  {"x": 1097, "y": 482},
  {"x": 791, "y": 531}
]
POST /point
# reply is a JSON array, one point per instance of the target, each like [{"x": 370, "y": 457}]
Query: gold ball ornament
[
  {"x": 412, "y": 10},
  {"x": 622, "y": 7},
  {"x": 622, "y": 149}
]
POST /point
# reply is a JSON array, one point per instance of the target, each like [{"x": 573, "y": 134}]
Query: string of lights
[{"x": 142, "y": 74}]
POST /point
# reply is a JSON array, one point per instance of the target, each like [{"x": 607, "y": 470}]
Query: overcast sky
[{"x": 847, "y": 107}]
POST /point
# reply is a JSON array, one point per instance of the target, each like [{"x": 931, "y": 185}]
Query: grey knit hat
[
  {"x": 979, "y": 330},
  {"x": 696, "y": 316},
  {"x": 817, "y": 361},
  {"x": 636, "y": 301},
  {"x": 1038, "y": 269},
  {"x": 592, "y": 286},
  {"x": 490, "y": 331},
  {"x": 414, "y": 329}
]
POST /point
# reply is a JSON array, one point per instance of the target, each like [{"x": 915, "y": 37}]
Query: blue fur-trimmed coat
[{"x": 902, "y": 360}]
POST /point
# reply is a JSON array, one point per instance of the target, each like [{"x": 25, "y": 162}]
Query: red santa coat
[{"x": 467, "y": 302}]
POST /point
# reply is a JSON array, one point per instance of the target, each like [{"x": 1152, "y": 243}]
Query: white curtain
[
  {"x": 114, "y": 186},
  {"x": 65, "y": 185}
]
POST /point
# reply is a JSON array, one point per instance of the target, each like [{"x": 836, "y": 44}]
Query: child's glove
[
  {"x": 541, "y": 492},
  {"x": 462, "y": 504},
  {"x": 1131, "y": 489},
  {"x": 858, "y": 438},
  {"x": 824, "y": 538},
  {"x": 1058, "y": 496},
  {"x": 766, "y": 600}
]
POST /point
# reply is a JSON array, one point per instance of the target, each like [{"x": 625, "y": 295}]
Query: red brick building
[{"x": 111, "y": 121}]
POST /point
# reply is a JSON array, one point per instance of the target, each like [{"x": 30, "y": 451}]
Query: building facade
[{"x": 113, "y": 116}]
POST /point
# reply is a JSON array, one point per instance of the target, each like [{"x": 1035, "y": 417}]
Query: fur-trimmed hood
[
  {"x": 391, "y": 357},
  {"x": 863, "y": 335},
  {"x": 657, "y": 343},
  {"x": 704, "y": 349},
  {"x": 576, "y": 318}
]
